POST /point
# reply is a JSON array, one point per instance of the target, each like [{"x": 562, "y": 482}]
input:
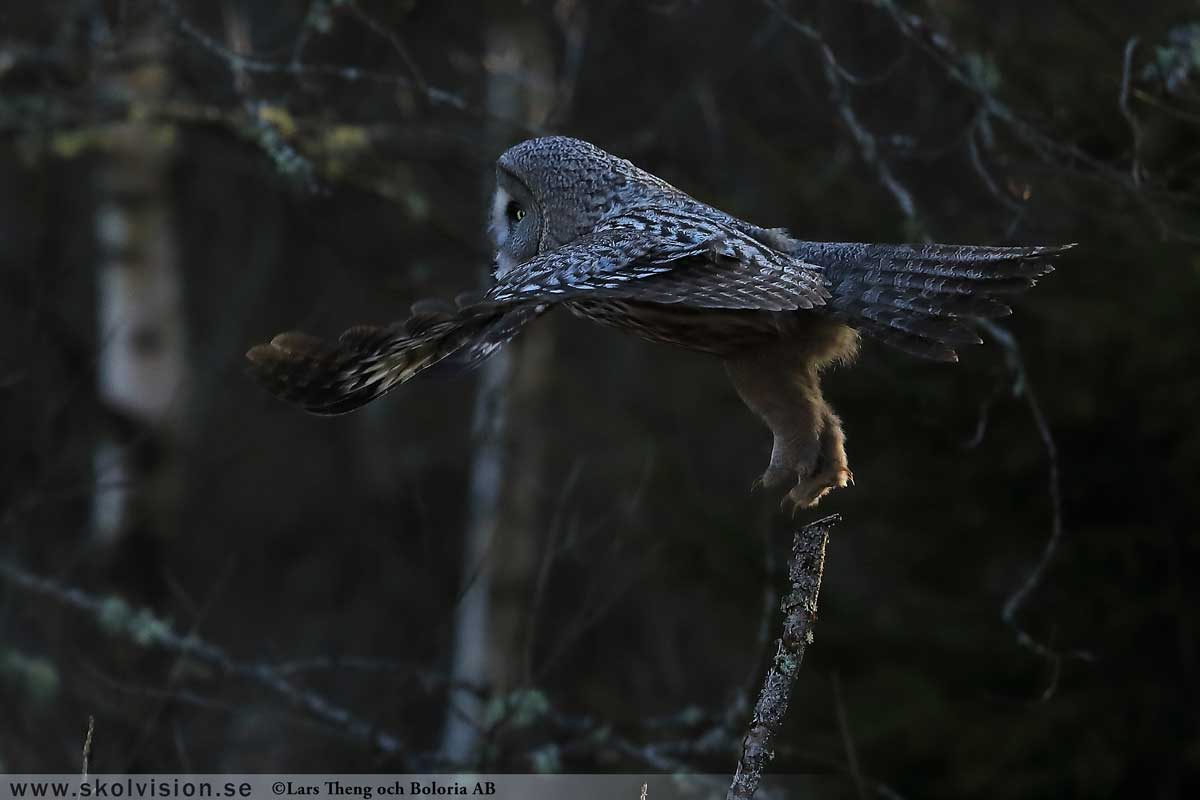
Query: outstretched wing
[
  {"x": 365, "y": 362},
  {"x": 916, "y": 297},
  {"x": 913, "y": 297},
  {"x": 664, "y": 254}
]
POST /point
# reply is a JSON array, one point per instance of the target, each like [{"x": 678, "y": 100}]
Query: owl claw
[
  {"x": 813, "y": 489},
  {"x": 811, "y": 484}
]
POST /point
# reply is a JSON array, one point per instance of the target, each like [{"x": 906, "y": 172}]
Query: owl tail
[
  {"x": 366, "y": 362},
  {"x": 915, "y": 298}
]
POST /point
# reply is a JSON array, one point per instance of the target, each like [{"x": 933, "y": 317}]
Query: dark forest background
[{"x": 226, "y": 584}]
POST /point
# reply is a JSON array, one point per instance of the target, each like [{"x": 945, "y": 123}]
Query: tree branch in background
[
  {"x": 1155, "y": 198},
  {"x": 838, "y": 80},
  {"x": 499, "y": 549},
  {"x": 298, "y": 69},
  {"x": 145, "y": 629},
  {"x": 1064, "y": 156},
  {"x": 805, "y": 569},
  {"x": 1135, "y": 127},
  {"x": 1012, "y": 606},
  {"x": 87, "y": 744},
  {"x": 245, "y": 63}
]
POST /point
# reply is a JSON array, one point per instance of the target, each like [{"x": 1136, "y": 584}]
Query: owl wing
[
  {"x": 918, "y": 297},
  {"x": 366, "y": 362},
  {"x": 671, "y": 256}
]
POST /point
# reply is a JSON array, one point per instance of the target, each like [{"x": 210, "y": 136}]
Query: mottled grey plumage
[{"x": 576, "y": 226}]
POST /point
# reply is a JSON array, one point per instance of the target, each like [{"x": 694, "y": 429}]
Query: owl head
[{"x": 553, "y": 189}]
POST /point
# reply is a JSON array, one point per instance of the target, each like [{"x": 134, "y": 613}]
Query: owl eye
[{"x": 515, "y": 212}]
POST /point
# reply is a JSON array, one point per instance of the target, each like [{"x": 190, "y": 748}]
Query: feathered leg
[
  {"x": 832, "y": 470},
  {"x": 781, "y": 384}
]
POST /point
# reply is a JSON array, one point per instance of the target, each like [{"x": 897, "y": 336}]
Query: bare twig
[
  {"x": 592, "y": 734},
  {"x": 805, "y": 569},
  {"x": 914, "y": 28},
  {"x": 393, "y": 38},
  {"x": 317, "y": 19},
  {"x": 295, "y": 68},
  {"x": 1135, "y": 126},
  {"x": 978, "y": 129},
  {"x": 839, "y": 80},
  {"x": 1062, "y": 155},
  {"x": 87, "y": 744},
  {"x": 300, "y": 70},
  {"x": 146, "y": 629},
  {"x": 809, "y": 32},
  {"x": 1017, "y": 600}
]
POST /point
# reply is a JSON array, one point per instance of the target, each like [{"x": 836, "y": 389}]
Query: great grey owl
[{"x": 578, "y": 227}]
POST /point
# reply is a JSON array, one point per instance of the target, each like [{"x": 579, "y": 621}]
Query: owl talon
[
  {"x": 809, "y": 491},
  {"x": 819, "y": 470}
]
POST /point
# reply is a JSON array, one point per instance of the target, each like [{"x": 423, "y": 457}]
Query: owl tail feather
[
  {"x": 366, "y": 362},
  {"x": 916, "y": 298}
]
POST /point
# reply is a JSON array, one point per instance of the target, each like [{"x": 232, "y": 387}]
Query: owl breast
[{"x": 716, "y": 331}]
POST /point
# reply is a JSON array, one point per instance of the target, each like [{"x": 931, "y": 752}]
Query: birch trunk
[
  {"x": 142, "y": 369},
  {"x": 500, "y": 544}
]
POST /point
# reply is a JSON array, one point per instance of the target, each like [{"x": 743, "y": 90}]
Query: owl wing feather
[
  {"x": 668, "y": 255},
  {"x": 918, "y": 298},
  {"x": 911, "y": 297},
  {"x": 366, "y": 362},
  {"x": 650, "y": 254}
]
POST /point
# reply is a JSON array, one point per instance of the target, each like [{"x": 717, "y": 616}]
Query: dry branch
[
  {"x": 805, "y": 568},
  {"x": 146, "y": 629}
]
